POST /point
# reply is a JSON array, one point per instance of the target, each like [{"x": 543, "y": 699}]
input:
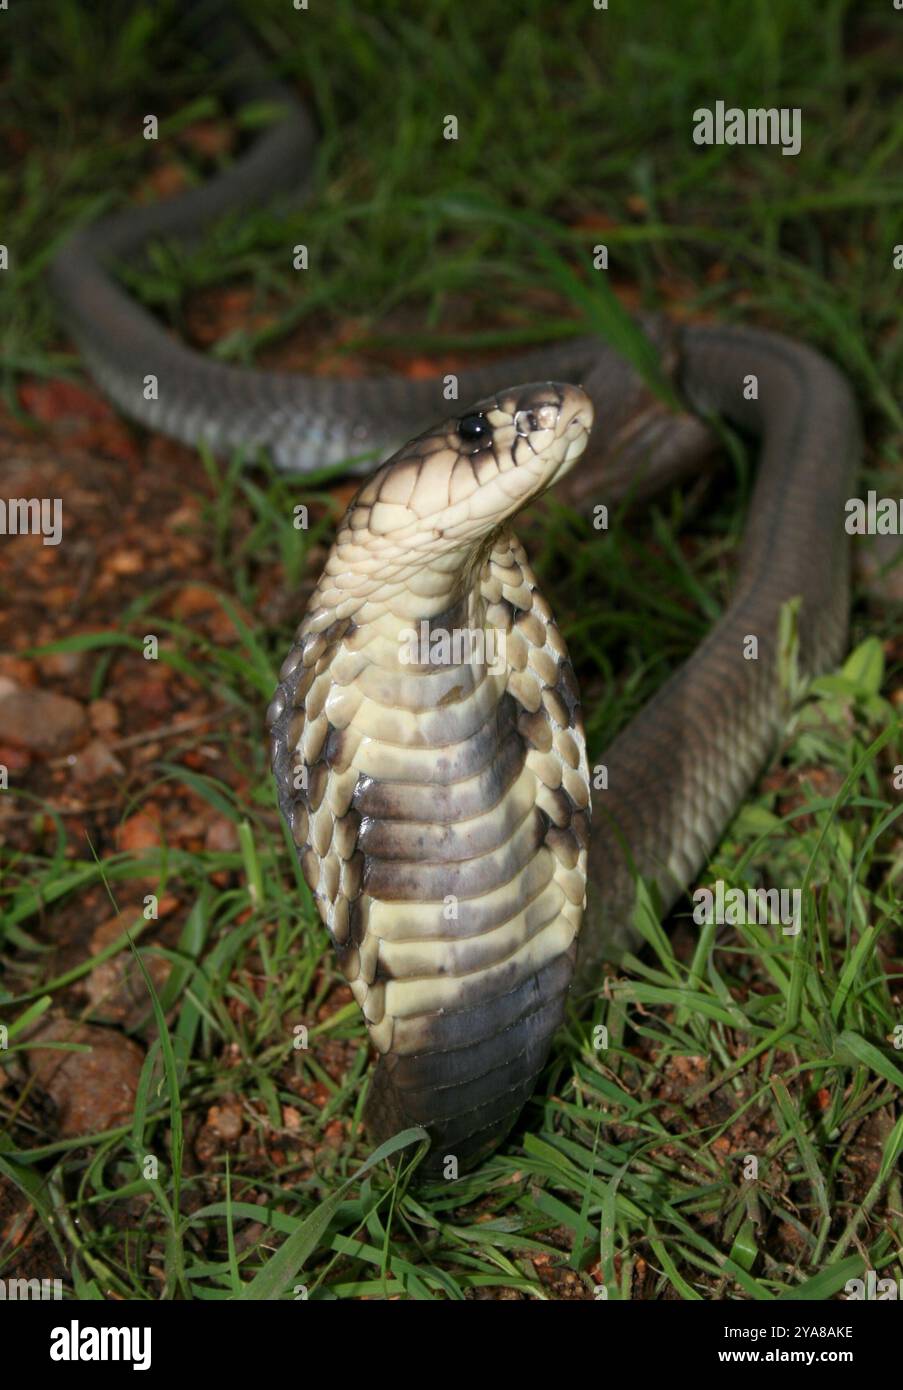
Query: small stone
[
  {"x": 139, "y": 832},
  {"x": 41, "y": 721},
  {"x": 61, "y": 665},
  {"x": 226, "y": 1121},
  {"x": 125, "y": 562},
  {"x": 104, "y": 716},
  {"x": 116, "y": 987},
  {"x": 221, "y": 836},
  {"x": 93, "y": 1090},
  {"x": 94, "y": 762}
]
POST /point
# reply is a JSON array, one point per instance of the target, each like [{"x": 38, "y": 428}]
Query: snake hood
[{"x": 439, "y": 799}]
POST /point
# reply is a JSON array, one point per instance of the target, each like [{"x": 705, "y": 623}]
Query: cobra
[
  {"x": 443, "y": 817},
  {"x": 441, "y": 810}
]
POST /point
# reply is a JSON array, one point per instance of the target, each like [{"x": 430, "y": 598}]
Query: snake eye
[{"x": 474, "y": 429}]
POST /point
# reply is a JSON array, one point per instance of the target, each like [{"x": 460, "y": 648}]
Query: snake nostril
[{"x": 544, "y": 417}]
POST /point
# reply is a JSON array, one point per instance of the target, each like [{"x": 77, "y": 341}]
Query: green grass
[{"x": 626, "y": 1170}]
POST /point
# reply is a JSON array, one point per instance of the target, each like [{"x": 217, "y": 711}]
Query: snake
[{"x": 473, "y": 872}]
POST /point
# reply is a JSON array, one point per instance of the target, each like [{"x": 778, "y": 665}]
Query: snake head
[{"x": 460, "y": 480}]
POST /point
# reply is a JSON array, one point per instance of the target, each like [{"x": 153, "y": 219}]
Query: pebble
[
  {"x": 41, "y": 721},
  {"x": 92, "y": 1090}
]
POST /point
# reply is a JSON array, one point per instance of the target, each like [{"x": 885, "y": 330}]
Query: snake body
[{"x": 441, "y": 807}]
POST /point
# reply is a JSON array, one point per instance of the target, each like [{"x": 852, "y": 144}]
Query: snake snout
[
  {"x": 556, "y": 419},
  {"x": 549, "y": 408},
  {"x": 542, "y": 426}
]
